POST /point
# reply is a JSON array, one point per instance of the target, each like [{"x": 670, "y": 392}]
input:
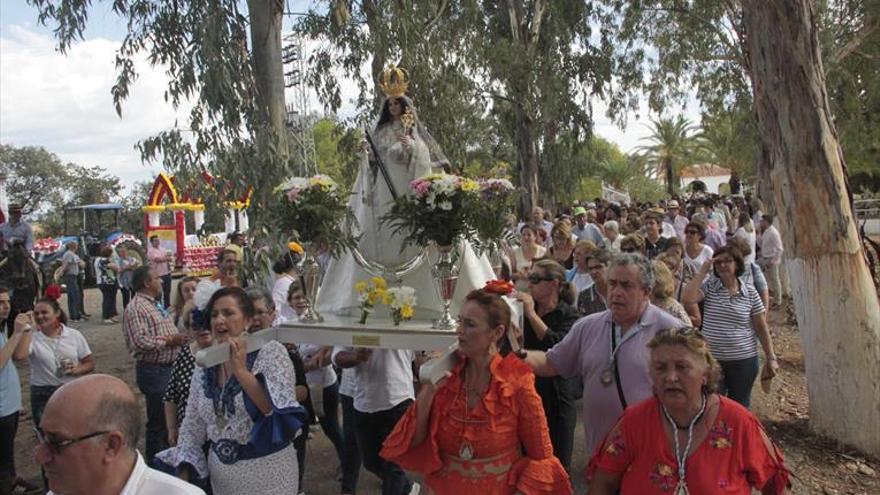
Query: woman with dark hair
[
  {"x": 695, "y": 252},
  {"x": 244, "y": 409},
  {"x": 57, "y": 353},
  {"x": 686, "y": 438},
  {"x": 548, "y": 314},
  {"x": 734, "y": 321},
  {"x": 482, "y": 429},
  {"x": 286, "y": 270},
  {"x": 592, "y": 299}
]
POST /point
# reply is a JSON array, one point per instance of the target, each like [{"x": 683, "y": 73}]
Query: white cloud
[{"x": 63, "y": 102}]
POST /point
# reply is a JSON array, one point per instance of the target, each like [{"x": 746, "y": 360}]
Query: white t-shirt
[
  {"x": 384, "y": 381},
  {"x": 324, "y": 376},
  {"x": 279, "y": 296},
  {"x": 347, "y": 385},
  {"x": 697, "y": 262},
  {"x": 45, "y": 355},
  {"x": 581, "y": 281}
]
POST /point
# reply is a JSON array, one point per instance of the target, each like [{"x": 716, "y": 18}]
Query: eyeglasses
[
  {"x": 725, "y": 261},
  {"x": 628, "y": 249},
  {"x": 694, "y": 232},
  {"x": 55, "y": 446},
  {"x": 537, "y": 279}
]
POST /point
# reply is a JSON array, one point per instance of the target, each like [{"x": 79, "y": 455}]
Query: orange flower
[{"x": 295, "y": 247}]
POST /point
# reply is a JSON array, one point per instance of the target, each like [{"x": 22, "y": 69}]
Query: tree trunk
[
  {"x": 527, "y": 156},
  {"x": 837, "y": 307},
  {"x": 265, "y": 20},
  {"x": 670, "y": 176}
]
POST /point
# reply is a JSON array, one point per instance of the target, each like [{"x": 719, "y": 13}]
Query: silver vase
[
  {"x": 310, "y": 276},
  {"x": 445, "y": 275}
]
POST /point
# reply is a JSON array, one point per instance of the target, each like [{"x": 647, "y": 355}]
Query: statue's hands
[{"x": 406, "y": 141}]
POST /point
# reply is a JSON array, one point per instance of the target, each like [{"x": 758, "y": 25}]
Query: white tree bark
[{"x": 837, "y": 306}]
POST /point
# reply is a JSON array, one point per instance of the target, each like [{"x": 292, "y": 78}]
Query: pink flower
[{"x": 292, "y": 195}]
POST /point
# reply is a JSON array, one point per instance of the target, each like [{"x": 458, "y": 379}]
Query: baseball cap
[
  {"x": 580, "y": 210},
  {"x": 672, "y": 203}
]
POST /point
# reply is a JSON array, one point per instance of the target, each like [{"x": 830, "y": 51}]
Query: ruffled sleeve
[
  {"x": 539, "y": 472},
  {"x": 423, "y": 458},
  {"x": 276, "y": 375},
  {"x": 192, "y": 437}
]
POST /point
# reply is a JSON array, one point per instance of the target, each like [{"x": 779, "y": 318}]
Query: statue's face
[{"x": 394, "y": 107}]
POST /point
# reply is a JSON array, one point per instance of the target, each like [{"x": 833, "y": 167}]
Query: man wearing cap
[
  {"x": 14, "y": 230},
  {"x": 679, "y": 222},
  {"x": 585, "y": 230}
]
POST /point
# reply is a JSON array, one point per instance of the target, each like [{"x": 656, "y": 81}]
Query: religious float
[
  {"x": 401, "y": 244},
  {"x": 166, "y": 216}
]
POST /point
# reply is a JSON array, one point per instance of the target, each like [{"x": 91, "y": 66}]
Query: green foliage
[
  {"x": 337, "y": 150},
  {"x": 729, "y": 139},
  {"x": 34, "y": 176}
]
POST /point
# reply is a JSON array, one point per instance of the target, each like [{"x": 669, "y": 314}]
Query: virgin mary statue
[{"x": 402, "y": 150}]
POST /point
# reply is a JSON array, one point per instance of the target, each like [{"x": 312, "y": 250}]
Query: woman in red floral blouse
[{"x": 686, "y": 439}]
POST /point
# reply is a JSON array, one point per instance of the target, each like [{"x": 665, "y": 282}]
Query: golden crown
[{"x": 393, "y": 81}]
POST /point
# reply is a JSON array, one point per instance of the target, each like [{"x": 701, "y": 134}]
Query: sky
[{"x": 62, "y": 102}]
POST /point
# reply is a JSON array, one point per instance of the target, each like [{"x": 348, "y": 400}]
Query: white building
[{"x": 711, "y": 175}]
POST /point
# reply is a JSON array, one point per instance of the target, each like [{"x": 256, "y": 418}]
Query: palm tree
[{"x": 673, "y": 146}]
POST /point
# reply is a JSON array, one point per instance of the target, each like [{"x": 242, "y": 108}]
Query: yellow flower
[
  {"x": 360, "y": 287},
  {"x": 469, "y": 185},
  {"x": 379, "y": 282},
  {"x": 406, "y": 311},
  {"x": 387, "y": 298}
]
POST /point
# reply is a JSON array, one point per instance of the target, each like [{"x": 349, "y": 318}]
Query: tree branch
[{"x": 856, "y": 41}]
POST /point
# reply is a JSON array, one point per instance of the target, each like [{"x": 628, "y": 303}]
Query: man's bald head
[{"x": 104, "y": 403}]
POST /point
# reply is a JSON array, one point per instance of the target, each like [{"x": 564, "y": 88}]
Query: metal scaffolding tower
[{"x": 299, "y": 120}]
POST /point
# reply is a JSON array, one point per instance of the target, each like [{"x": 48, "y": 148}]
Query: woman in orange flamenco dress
[{"x": 482, "y": 429}]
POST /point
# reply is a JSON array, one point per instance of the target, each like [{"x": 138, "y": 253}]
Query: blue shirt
[{"x": 10, "y": 387}]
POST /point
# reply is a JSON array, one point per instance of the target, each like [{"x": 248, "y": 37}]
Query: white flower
[
  {"x": 446, "y": 205},
  {"x": 293, "y": 183},
  {"x": 402, "y": 296}
]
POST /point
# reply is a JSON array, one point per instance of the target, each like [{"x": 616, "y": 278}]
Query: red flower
[
  {"x": 500, "y": 287},
  {"x": 52, "y": 292}
]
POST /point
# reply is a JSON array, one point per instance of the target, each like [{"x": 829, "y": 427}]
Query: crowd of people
[{"x": 652, "y": 316}]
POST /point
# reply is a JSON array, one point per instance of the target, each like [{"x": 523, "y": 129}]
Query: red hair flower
[
  {"x": 52, "y": 291},
  {"x": 499, "y": 287}
]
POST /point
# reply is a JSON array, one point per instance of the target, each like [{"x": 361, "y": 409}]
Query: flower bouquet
[
  {"x": 439, "y": 210},
  {"x": 402, "y": 301},
  {"x": 370, "y": 292},
  {"x": 496, "y": 202},
  {"x": 315, "y": 210}
]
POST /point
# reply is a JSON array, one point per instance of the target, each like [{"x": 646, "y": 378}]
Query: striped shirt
[
  {"x": 146, "y": 324},
  {"x": 727, "y": 320}
]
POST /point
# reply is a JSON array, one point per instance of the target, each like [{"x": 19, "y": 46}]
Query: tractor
[{"x": 90, "y": 226}]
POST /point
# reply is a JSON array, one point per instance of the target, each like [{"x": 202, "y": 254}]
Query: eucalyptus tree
[
  {"x": 837, "y": 305},
  {"x": 224, "y": 63}
]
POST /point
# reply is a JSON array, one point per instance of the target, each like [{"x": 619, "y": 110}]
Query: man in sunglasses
[{"x": 87, "y": 443}]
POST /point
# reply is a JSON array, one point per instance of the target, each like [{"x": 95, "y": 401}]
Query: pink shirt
[
  {"x": 158, "y": 260},
  {"x": 586, "y": 351}
]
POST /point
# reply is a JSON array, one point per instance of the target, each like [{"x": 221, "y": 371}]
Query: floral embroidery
[
  {"x": 226, "y": 450},
  {"x": 616, "y": 446},
  {"x": 719, "y": 436},
  {"x": 663, "y": 477}
]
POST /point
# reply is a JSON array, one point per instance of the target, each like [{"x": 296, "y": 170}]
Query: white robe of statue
[{"x": 370, "y": 200}]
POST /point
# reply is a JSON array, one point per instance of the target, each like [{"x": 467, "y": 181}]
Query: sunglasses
[
  {"x": 537, "y": 279},
  {"x": 722, "y": 262},
  {"x": 55, "y": 446},
  {"x": 628, "y": 249},
  {"x": 694, "y": 232}
]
